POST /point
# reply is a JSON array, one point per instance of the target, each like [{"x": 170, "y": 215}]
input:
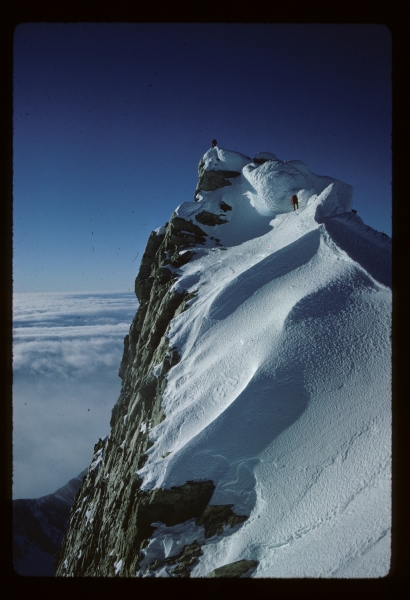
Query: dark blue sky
[{"x": 111, "y": 120}]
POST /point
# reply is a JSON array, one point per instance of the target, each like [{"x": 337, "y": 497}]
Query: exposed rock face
[
  {"x": 240, "y": 568},
  {"x": 146, "y": 345},
  {"x": 111, "y": 517},
  {"x": 209, "y": 181},
  {"x": 183, "y": 561},
  {"x": 224, "y": 206},
  {"x": 207, "y": 218}
]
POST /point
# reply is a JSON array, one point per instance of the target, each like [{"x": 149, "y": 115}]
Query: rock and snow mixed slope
[{"x": 257, "y": 367}]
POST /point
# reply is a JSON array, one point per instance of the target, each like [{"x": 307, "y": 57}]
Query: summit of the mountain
[{"x": 252, "y": 434}]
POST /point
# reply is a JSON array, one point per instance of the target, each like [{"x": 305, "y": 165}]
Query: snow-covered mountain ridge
[{"x": 252, "y": 434}]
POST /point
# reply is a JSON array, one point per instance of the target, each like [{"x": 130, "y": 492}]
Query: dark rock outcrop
[
  {"x": 224, "y": 206},
  {"x": 209, "y": 181},
  {"x": 239, "y": 568},
  {"x": 207, "y": 218},
  {"x": 184, "y": 561},
  {"x": 146, "y": 345},
  {"x": 215, "y": 518}
]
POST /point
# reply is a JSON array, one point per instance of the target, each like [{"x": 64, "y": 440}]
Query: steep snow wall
[{"x": 251, "y": 437}]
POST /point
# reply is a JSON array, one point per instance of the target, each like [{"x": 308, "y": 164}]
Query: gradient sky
[{"x": 111, "y": 120}]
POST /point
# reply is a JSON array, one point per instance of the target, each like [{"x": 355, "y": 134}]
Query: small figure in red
[{"x": 295, "y": 201}]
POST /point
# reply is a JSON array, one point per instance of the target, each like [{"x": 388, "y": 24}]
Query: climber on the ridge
[
  {"x": 214, "y": 143},
  {"x": 295, "y": 201}
]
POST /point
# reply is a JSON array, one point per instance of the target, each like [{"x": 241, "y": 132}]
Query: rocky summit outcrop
[
  {"x": 112, "y": 519},
  {"x": 212, "y": 179}
]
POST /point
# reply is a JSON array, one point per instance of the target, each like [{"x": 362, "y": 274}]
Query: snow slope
[{"x": 282, "y": 395}]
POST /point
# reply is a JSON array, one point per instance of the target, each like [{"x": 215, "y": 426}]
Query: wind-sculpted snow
[
  {"x": 369, "y": 248},
  {"x": 275, "y": 181},
  {"x": 282, "y": 369},
  {"x": 220, "y": 159},
  {"x": 279, "y": 401},
  {"x": 274, "y": 266}
]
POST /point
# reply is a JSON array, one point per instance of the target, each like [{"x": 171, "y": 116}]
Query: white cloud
[
  {"x": 71, "y": 355},
  {"x": 66, "y": 354}
]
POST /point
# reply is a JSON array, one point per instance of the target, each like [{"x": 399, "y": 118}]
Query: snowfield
[{"x": 283, "y": 393}]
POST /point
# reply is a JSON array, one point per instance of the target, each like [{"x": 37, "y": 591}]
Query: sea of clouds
[{"x": 67, "y": 349}]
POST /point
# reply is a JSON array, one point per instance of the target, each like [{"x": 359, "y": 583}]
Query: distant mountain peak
[{"x": 39, "y": 526}]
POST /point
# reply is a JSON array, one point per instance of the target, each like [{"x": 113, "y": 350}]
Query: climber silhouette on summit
[{"x": 214, "y": 143}]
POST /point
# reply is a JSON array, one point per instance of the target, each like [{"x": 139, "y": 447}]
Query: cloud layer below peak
[{"x": 67, "y": 349}]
